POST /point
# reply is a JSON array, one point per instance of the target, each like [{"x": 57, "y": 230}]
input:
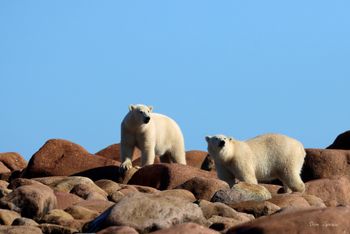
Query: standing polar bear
[
  {"x": 263, "y": 158},
  {"x": 154, "y": 134}
]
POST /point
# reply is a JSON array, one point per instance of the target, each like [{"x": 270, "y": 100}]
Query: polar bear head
[
  {"x": 218, "y": 144},
  {"x": 141, "y": 113}
]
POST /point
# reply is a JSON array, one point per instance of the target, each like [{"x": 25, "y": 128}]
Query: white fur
[
  {"x": 160, "y": 136},
  {"x": 263, "y": 158}
]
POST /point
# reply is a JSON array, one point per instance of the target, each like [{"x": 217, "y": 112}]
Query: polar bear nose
[
  {"x": 221, "y": 143},
  {"x": 146, "y": 119}
]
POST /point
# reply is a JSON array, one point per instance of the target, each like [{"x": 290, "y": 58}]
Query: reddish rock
[
  {"x": 82, "y": 213},
  {"x": 312, "y": 221},
  {"x": 13, "y": 161},
  {"x": 195, "y": 158},
  {"x": 113, "y": 152},
  {"x": 289, "y": 201},
  {"x": 341, "y": 142},
  {"x": 63, "y": 158},
  {"x": 166, "y": 176},
  {"x": 65, "y": 200},
  {"x": 4, "y": 169},
  {"x": 325, "y": 163},
  {"x": 118, "y": 230},
  {"x": 96, "y": 205},
  {"x": 179, "y": 193},
  {"x": 186, "y": 228},
  {"x": 32, "y": 201},
  {"x": 204, "y": 188},
  {"x": 256, "y": 208},
  {"x": 7, "y": 216},
  {"x": 20, "y": 230},
  {"x": 333, "y": 191}
]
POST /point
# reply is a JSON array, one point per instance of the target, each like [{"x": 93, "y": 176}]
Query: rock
[
  {"x": 165, "y": 176},
  {"x": 55, "y": 216},
  {"x": 242, "y": 192},
  {"x": 311, "y": 221},
  {"x": 179, "y": 193},
  {"x": 13, "y": 161},
  {"x": 222, "y": 224},
  {"x": 210, "y": 209},
  {"x": 7, "y": 216},
  {"x": 108, "y": 186},
  {"x": 341, "y": 142},
  {"x": 186, "y": 228},
  {"x": 89, "y": 192},
  {"x": 204, "y": 188},
  {"x": 49, "y": 228},
  {"x": 208, "y": 164},
  {"x": 333, "y": 191},
  {"x": 4, "y": 169},
  {"x": 148, "y": 212},
  {"x": 113, "y": 152},
  {"x": 80, "y": 212},
  {"x": 293, "y": 200},
  {"x": 21, "y": 221},
  {"x": 195, "y": 158},
  {"x": 127, "y": 175},
  {"x": 325, "y": 163},
  {"x": 20, "y": 230},
  {"x": 3, "y": 184},
  {"x": 256, "y": 208},
  {"x": 314, "y": 201},
  {"x": 106, "y": 172},
  {"x": 96, "y": 205},
  {"x": 32, "y": 201},
  {"x": 65, "y": 200},
  {"x": 63, "y": 158},
  {"x": 273, "y": 188},
  {"x": 118, "y": 230},
  {"x": 21, "y": 182}
]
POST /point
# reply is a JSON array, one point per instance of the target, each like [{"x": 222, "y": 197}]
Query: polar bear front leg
[{"x": 126, "y": 152}]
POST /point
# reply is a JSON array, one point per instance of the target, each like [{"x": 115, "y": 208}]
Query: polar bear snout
[
  {"x": 146, "y": 119},
  {"x": 221, "y": 143}
]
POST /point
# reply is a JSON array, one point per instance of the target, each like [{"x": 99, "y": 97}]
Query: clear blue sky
[{"x": 69, "y": 69}]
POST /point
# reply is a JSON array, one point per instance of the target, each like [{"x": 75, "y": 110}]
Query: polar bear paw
[{"x": 126, "y": 165}]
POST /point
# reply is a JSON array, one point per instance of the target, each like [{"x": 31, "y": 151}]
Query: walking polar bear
[
  {"x": 263, "y": 158},
  {"x": 154, "y": 134}
]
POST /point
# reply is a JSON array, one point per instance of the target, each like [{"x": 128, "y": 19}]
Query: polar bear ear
[
  {"x": 230, "y": 138},
  {"x": 150, "y": 108},
  {"x": 207, "y": 138},
  {"x": 131, "y": 107}
]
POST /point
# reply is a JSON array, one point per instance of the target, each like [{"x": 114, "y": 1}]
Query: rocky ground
[{"x": 65, "y": 189}]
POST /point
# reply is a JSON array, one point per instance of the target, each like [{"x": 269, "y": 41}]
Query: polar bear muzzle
[
  {"x": 146, "y": 119},
  {"x": 221, "y": 143}
]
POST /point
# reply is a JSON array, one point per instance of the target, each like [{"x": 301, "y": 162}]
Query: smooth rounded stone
[
  {"x": 204, "y": 188},
  {"x": 31, "y": 201},
  {"x": 80, "y": 212},
  {"x": 294, "y": 200},
  {"x": 89, "y": 192},
  {"x": 314, "y": 201},
  {"x": 64, "y": 158},
  {"x": 256, "y": 208},
  {"x": 21, "y": 221},
  {"x": 118, "y": 230},
  {"x": 312, "y": 221},
  {"x": 179, "y": 193},
  {"x": 325, "y": 163},
  {"x": 195, "y": 158},
  {"x": 4, "y": 169},
  {"x": 20, "y": 230},
  {"x": 186, "y": 228},
  {"x": 116, "y": 196},
  {"x": 342, "y": 141},
  {"x": 55, "y": 216},
  {"x": 7, "y": 216},
  {"x": 96, "y": 205},
  {"x": 333, "y": 191},
  {"x": 4, "y": 184},
  {"x": 166, "y": 176},
  {"x": 65, "y": 200},
  {"x": 13, "y": 161},
  {"x": 273, "y": 188},
  {"x": 108, "y": 186},
  {"x": 49, "y": 228},
  {"x": 210, "y": 209},
  {"x": 18, "y": 182},
  {"x": 113, "y": 152},
  {"x": 242, "y": 192},
  {"x": 148, "y": 212},
  {"x": 222, "y": 224}
]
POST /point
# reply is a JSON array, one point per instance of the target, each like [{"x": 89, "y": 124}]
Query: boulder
[
  {"x": 179, "y": 193},
  {"x": 186, "y": 228},
  {"x": 118, "y": 230},
  {"x": 4, "y": 169},
  {"x": 325, "y": 163},
  {"x": 256, "y": 208},
  {"x": 20, "y": 230},
  {"x": 222, "y": 224},
  {"x": 148, "y": 212},
  {"x": 312, "y": 221},
  {"x": 7, "y": 216},
  {"x": 242, "y": 192},
  {"x": 96, "y": 205},
  {"x": 195, "y": 158},
  {"x": 293, "y": 200},
  {"x": 166, "y": 176},
  {"x": 31, "y": 201},
  {"x": 113, "y": 152},
  {"x": 13, "y": 161},
  {"x": 341, "y": 142},
  {"x": 333, "y": 191},
  {"x": 204, "y": 188},
  {"x": 63, "y": 158},
  {"x": 49, "y": 228},
  {"x": 21, "y": 221},
  {"x": 80, "y": 212},
  {"x": 65, "y": 199}
]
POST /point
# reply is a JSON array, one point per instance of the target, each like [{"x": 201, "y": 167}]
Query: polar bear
[
  {"x": 154, "y": 134},
  {"x": 263, "y": 158}
]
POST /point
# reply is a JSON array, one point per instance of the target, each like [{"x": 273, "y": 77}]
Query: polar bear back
[
  {"x": 273, "y": 153},
  {"x": 168, "y": 134}
]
